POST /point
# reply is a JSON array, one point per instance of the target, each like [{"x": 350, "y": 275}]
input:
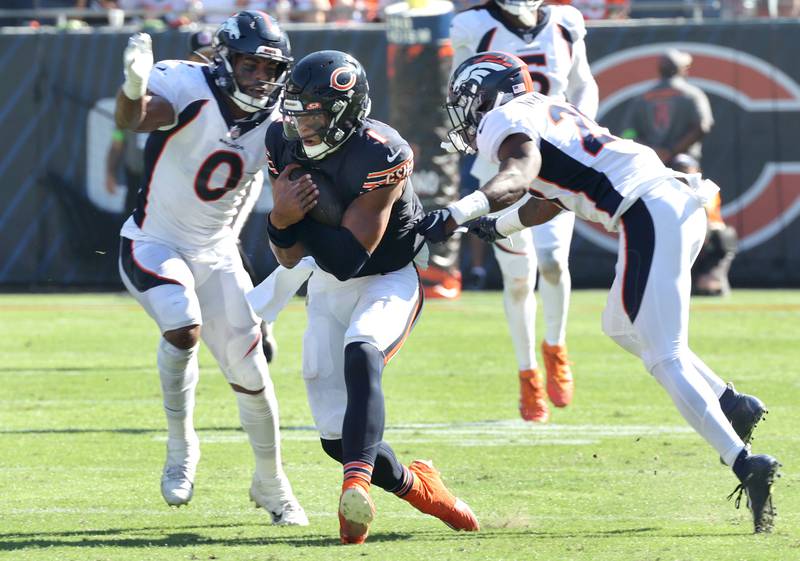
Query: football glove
[
  {"x": 485, "y": 228},
  {"x": 433, "y": 226},
  {"x": 138, "y": 61}
]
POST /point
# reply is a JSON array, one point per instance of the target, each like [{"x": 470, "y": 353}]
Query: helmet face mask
[
  {"x": 326, "y": 98},
  {"x": 524, "y": 10},
  {"x": 247, "y": 43},
  {"x": 481, "y": 83}
]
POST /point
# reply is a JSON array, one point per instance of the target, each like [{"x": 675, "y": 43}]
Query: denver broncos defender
[
  {"x": 178, "y": 254},
  {"x": 550, "y": 40},
  {"x": 365, "y": 296},
  {"x": 567, "y": 161}
]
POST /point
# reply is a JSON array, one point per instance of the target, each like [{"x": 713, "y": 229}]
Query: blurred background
[{"x": 65, "y": 172}]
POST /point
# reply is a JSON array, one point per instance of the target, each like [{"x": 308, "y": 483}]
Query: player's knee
[
  {"x": 551, "y": 268},
  {"x": 517, "y": 288},
  {"x": 363, "y": 364},
  {"x": 332, "y": 448},
  {"x": 183, "y": 337},
  {"x": 245, "y": 366}
]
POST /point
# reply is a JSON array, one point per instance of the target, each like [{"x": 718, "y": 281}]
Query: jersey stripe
[
  {"x": 392, "y": 349},
  {"x": 141, "y": 278},
  {"x": 486, "y": 40},
  {"x": 640, "y": 242},
  {"x": 156, "y": 143},
  {"x": 565, "y": 172}
]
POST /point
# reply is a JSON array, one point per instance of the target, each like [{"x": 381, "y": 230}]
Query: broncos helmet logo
[{"x": 231, "y": 27}]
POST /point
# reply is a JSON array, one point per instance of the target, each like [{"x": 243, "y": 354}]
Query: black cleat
[
  {"x": 743, "y": 411},
  {"x": 757, "y": 473}
]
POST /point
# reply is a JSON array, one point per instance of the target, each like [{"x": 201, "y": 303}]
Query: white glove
[{"x": 138, "y": 61}]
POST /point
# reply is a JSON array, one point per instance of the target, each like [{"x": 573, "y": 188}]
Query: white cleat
[
  {"x": 279, "y": 501},
  {"x": 177, "y": 479}
]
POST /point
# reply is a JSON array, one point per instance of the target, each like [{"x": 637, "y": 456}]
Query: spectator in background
[
  {"x": 710, "y": 270},
  {"x": 673, "y": 116}
]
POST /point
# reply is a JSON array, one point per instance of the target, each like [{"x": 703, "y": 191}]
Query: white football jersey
[
  {"x": 554, "y": 50},
  {"x": 198, "y": 170},
  {"x": 584, "y": 167}
]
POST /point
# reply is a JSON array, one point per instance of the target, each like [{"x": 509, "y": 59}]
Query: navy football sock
[{"x": 362, "y": 429}]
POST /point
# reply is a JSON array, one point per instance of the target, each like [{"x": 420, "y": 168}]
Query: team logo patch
[
  {"x": 343, "y": 79},
  {"x": 231, "y": 27},
  {"x": 755, "y": 86}
]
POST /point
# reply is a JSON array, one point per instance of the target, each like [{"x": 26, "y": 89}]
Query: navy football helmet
[
  {"x": 479, "y": 84},
  {"x": 326, "y": 98},
  {"x": 252, "y": 33}
]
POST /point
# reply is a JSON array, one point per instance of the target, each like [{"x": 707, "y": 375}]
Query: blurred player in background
[
  {"x": 178, "y": 254},
  {"x": 550, "y": 40},
  {"x": 365, "y": 296},
  {"x": 567, "y": 161}
]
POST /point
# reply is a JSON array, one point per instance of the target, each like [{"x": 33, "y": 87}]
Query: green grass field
[{"x": 616, "y": 476}]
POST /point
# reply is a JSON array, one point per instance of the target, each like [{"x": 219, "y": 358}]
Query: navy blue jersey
[{"x": 374, "y": 157}]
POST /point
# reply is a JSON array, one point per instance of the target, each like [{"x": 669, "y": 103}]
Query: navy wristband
[{"x": 282, "y": 238}]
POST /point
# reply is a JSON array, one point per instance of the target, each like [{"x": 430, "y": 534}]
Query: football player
[
  {"x": 550, "y": 40},
  {"x": 567, "y": 161},
  {"x": 178, "y": 254},
  {"x": 365, "y": 296}
]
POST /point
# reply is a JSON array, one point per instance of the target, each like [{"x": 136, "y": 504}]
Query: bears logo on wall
[{"x": 772, "y": 200}]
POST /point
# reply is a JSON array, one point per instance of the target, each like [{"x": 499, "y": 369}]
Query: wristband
[
  {"x": 134, "y": 88},
  {"x": 282, "y": 238},
  {"x": 469, "y": 208},
  {"x": 509, "y": 223}
]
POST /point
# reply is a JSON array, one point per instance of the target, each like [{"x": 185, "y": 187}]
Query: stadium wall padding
[{"x": 57, "y": 87}]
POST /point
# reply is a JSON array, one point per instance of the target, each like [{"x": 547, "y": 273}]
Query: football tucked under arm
[{"x": 330, "y": 207}]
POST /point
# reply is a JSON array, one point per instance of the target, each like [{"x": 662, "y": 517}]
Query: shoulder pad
[
  {"x": 387, "y": 158},
  {"x": 570, "y": 19}
]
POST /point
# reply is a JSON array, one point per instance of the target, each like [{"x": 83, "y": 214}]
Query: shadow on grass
[
  {"x": 186, "y": 536},
  {"x": 179, "y": 539}
]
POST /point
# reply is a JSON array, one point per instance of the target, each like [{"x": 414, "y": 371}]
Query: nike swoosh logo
[{"x": 393, "y": 155}]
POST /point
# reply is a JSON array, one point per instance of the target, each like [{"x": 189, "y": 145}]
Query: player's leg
[
  {"x": 163, "y": 284},
  {"x": 552, "y": 241},
  {"x": 662, "y": 235},
  {"x": 517, "y": 261},
  {"x": 233, "y": 335},
  {"x": 380, "y": 326}
]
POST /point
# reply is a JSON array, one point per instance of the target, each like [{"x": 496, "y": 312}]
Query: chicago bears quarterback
[
  {"x": 178, "y": 254},
  {"x": 550, "y": 40},
  {"x": 567, "y": 161},
  {"x": 365, "y": 296}
]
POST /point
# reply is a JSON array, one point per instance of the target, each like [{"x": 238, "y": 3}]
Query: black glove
[
  {"x": 485, "y": 228},
  {"x": 433, "y": 226}
]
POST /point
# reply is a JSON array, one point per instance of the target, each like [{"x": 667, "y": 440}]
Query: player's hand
[
  {"x": 485, "y": 228},
  {"x": 436, "y": 226},
  {"x": 138, "y": 62},
  {"x": 292, "y": 199}
]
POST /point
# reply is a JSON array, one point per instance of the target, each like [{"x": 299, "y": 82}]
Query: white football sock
[
  {"x": 555, "y": 306},
  {"x": 259, "y": 417},
  {"x": 179, "y": 372},
  {"x": 717, "y": 384},
  {"x": 698, "y": 405},
  {"x": 520, "y": 306}
]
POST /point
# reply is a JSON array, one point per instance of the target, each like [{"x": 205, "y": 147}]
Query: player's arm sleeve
[
  {"x": 169, "y": 81},
  {"x": 463, "y": 43},
  {"x": 496, "y": 126},
  {"x": 582, "y": 90},
  {"x": 335, "y": 249},
  {"x": 273, "y": 140}
]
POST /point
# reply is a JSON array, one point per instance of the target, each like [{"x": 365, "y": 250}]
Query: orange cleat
[
  {"x": 560, "y": 385},
  {"x": 429, "y": 495},
  {"x": 532, "y": 405},
  {"x": 441, "y": 283},
  {"x": 356, "y": 512}
]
